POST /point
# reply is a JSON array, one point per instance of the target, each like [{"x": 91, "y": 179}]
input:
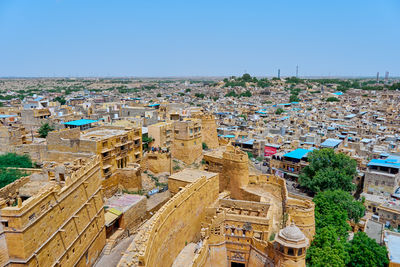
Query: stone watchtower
[
  {"x": 235, "y": 170},
  {"x": 290, "y": 245}
]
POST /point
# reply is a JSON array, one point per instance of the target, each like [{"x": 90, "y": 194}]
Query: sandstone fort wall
[{"x": 171, "y": 228}]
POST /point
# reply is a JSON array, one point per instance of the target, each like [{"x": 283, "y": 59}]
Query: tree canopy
[
  {"x": 329, "y": 201},
  {"x": 327, "y": 249},
  {"x": 328, "y": 171},
  {"x": 332, "y": 99},
  {"x": 366, "y": 252},
  {"x": 8, "y": 176},
  {"x": 60, "y": 99},
  {"x": 279, "y": 111},
  {"x": 333, "y": 210},
  {"x": 15, "y": 160},
  {"x": 45, "y": 129}
]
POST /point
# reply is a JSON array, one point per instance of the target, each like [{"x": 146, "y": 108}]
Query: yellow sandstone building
[
  {"x": 187, "y": 144},
  {"x": 162, "y": 134},
  {"x": 209, "y": 130},
  {"x": 55, "y": 218},
  {"x": 116, "y": 146}
]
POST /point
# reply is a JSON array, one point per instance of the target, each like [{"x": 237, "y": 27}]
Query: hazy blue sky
[{"x": 202, "y": 37}]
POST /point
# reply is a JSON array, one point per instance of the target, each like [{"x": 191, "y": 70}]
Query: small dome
[{"x": 292, "y": 232}]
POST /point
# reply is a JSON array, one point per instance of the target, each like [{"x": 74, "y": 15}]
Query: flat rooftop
[
  {"x": 191, "y": 175},
  {"x": 374, "y": 230},
  {"x": 33, "y": 187},
  {"x": 392, "y": 241},
  {"x": 102, "y": 134},
  {"x": 123, "y": 202},
  {"x": 216, "y": 153}
]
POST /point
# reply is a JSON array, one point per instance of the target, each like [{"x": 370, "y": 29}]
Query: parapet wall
[
  {"x": 157, "y": 162},
  {"x": 301, "y": 211},
  {"x": 171, "y": 227},
  {"x": 11, "y": 189},
  {"x": 68, "y": 141},
  {"x": 127, "y": 179}
]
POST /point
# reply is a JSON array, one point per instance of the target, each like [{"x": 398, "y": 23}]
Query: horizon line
[{"x": 197, "y": 76}]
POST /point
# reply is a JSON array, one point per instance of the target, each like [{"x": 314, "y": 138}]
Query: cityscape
[{"x": 116, "y": 156}]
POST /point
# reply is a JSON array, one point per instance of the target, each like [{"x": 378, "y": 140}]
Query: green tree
[
  {"x": 328, "y": 171},
  {"x": 294, "y": 98},
  {"x": 204, "y": 146},
  {"x": 294, "y": 80},
  {"x": 200, "y": 95},
  {"x": 45, "y": 129},
  {"x": 231, "y": 93},
  {"x": 158, "y": 95},
  {"x": 187, "y": 90},
  {"x": 250, "y": 155},
  {"x": 327, "y": 249},
  {"x": 332, "y": 99},
  {"x": 263, "y": 83},
  {"x": 246, "y": 94},
  {"x": 15, "y": 160},
  {"x": 246, "y": 77},
  {"x": 60, "y": 100},
  {"x": 328, "y": 201},
  {"x": 366, "y": 252},
  {"x": 7, "y": 176},
  {"x": 279, "y": 111}
]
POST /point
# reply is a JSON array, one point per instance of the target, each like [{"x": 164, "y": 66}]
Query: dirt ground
[{"x": 116, "y": 253}]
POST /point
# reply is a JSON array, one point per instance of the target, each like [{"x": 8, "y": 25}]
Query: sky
[{"x": 148, "y": 38}]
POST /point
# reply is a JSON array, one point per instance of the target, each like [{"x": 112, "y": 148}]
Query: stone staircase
[{"x": 113, "y": 240}]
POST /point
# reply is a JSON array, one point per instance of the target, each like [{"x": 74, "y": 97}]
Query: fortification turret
[{"x": 235, "y": 170}]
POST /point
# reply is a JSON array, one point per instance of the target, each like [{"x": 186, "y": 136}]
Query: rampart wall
[
  {"x": 171, "y": 228},
  {"x": 12, "y": 188},
  {"x": 301, "y": 211}
]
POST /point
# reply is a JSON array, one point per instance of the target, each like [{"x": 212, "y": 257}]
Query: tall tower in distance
[
  {"x": 377, "y": 77},
  {"x": 386, "y": 77},
  {"x": 279, "y": 73},
  {"x": 297, "y": 71}
]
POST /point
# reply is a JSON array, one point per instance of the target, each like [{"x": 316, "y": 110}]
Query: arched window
[{"x": 299, "y": 252}]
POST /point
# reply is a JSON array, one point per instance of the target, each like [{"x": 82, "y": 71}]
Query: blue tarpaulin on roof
[
  {"x": 2, "y": 116},
  {"x": 154, "y": 105},
  {"x": 391, "y": 163},
  {"x": 80, "y": 122},
  {"x": 249, "y": 142},
  {"x": 331, "y": 143},
  {"x": 298, "y": 153}
]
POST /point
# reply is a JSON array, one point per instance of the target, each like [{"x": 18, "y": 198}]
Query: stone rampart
[{"x": 171, "y": 228}]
